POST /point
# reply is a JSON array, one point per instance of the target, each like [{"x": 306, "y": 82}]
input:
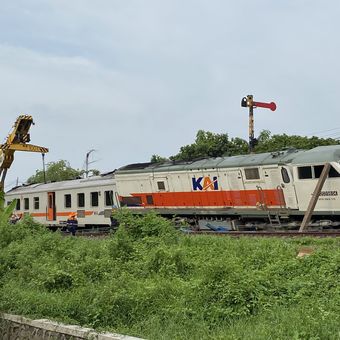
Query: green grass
[{"x": 147, "y": 280}]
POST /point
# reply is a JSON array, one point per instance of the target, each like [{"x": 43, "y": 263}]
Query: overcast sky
[{"x": 133, "y": 78}]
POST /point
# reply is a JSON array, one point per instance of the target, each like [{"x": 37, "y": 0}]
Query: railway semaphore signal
[{"x": 249, "y": 102}]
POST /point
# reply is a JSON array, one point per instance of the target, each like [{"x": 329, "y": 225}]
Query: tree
[
  {"x": 269, "y": 143},
  {"x": 207, "y": 144},
  {"x": 158, "y": 159},
  {"x": 238, "y": 146},
  {"x": 57, "y": 171}
]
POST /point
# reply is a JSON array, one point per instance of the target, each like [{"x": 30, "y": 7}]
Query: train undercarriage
[{"x": 246, "y": 219}]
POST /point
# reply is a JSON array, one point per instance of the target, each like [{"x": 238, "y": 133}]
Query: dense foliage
[
  {"x": 5, "y": 212},
  {"x": 148, "y": 280},
  {"x": 208, "y": 144},
  {"x": 57, "y": 171}
]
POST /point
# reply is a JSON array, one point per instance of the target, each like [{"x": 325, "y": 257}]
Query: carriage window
[
  {"x": 305, "y": 172},
  {"x": 94, "y": 199},
  {"x": 317, "y": 170},
  {"x": 252, "y": 173},
  {"x": 26, "y": 204},
  {"x": 81, "y": 200},
  {"x": 36, "y": 203},
  {"x": 285, "y": 176},
  {"x": 18, "y": 204},
  {"x": 333, "y": 173},
  {"x": 127, "y": 201},
  {"x": 149, "y": 199},
  {"x": 109, "y": 198},
  {"x": 161, "y": 185},
  {"x": 67, "y": 200}
]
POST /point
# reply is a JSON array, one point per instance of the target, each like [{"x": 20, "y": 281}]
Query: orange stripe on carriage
[
  {"x": 270, "y": 197},
  {"x": 61, "y": 214},
  {"x": 68, "y": 213},
  {"x": 38, "y": 214}
]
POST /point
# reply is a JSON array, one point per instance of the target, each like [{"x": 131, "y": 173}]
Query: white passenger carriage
[{"x": 92, "y": 199}]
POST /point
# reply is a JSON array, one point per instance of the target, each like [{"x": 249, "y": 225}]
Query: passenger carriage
[{"x": 91, "y": 199}]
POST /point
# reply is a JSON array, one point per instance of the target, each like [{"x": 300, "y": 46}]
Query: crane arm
[
  {"x": 17, "y": 140},
  {"x": 24, "y": 147}
]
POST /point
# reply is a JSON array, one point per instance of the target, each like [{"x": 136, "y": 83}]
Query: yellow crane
[{"x": 17, "y": 140}]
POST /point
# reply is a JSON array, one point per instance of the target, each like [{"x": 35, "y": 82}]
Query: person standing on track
[{"x": 72, "y": 224}]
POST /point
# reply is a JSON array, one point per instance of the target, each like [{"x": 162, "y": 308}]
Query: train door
[
  {"x": 115, "y": 198},
  {"x": 271, "y": 189},
  {"x": 236, "y": 194},
  {"x": 51, "y": 210},
  {"x": 235, "y": 179},
  {"x": 288, "y": 188}
]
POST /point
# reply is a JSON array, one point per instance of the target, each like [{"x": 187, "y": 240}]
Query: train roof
[
  {"x": 319, "y": 154},
  {"x": 70, "y": 184}
]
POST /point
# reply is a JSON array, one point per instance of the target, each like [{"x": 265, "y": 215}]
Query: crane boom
[{"x": 17, "y": 140}]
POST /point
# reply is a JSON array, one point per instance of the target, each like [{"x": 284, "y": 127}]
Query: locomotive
[{"x": 238, "y": 192}]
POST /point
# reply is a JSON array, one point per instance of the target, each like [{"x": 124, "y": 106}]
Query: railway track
[
  {"x": 331, "y": 233},
  {"x": 324, "y": 233}
]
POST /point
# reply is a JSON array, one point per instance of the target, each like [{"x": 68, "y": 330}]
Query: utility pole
[
  {"x": 44, "y": 169},
  {"x": 87, "y": 162},
  {"x": 248, "y": 101}
]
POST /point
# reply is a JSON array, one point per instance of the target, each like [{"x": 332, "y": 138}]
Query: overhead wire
[{"x": 322, "y": 131}]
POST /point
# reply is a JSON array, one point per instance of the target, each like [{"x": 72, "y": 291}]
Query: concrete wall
[{"x": 14, "y": 327}]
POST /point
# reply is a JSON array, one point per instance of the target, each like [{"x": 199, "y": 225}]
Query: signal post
[{"x": 248, "y": 101}]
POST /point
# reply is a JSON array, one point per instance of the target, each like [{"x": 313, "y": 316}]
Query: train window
[
  {"x": 94, "y": 199},
  {"x": 36, "y": 203},
  {"x": 149, "y": 199},
  {"x": 81, "y": 200},
  {"x": 317, "y": 170},
  {"x": 109, "y": 198},
  {"x": 18, "y": 204},
  {"x": 333, "y": 173},
  {"x": 285, "y": 176},
  {"x": 26, "y": 203},
  {"x": 305, "y": 172},
  {"x": 161, "y": 185},
  {"x": 67, "y": 200},
  {"x": 252, "y": 173},
  {"x": 127, "y": 201}
]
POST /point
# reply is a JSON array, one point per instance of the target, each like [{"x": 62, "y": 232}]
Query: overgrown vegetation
[{"x": 148, "y": 280}]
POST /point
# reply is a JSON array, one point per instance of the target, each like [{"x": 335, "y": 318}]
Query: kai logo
[{"x": 205, "y": 183}]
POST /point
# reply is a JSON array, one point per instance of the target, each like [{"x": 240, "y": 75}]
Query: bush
[
  {"x": 149, "y": 281},
  {"x": 148, "y": 225}
]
